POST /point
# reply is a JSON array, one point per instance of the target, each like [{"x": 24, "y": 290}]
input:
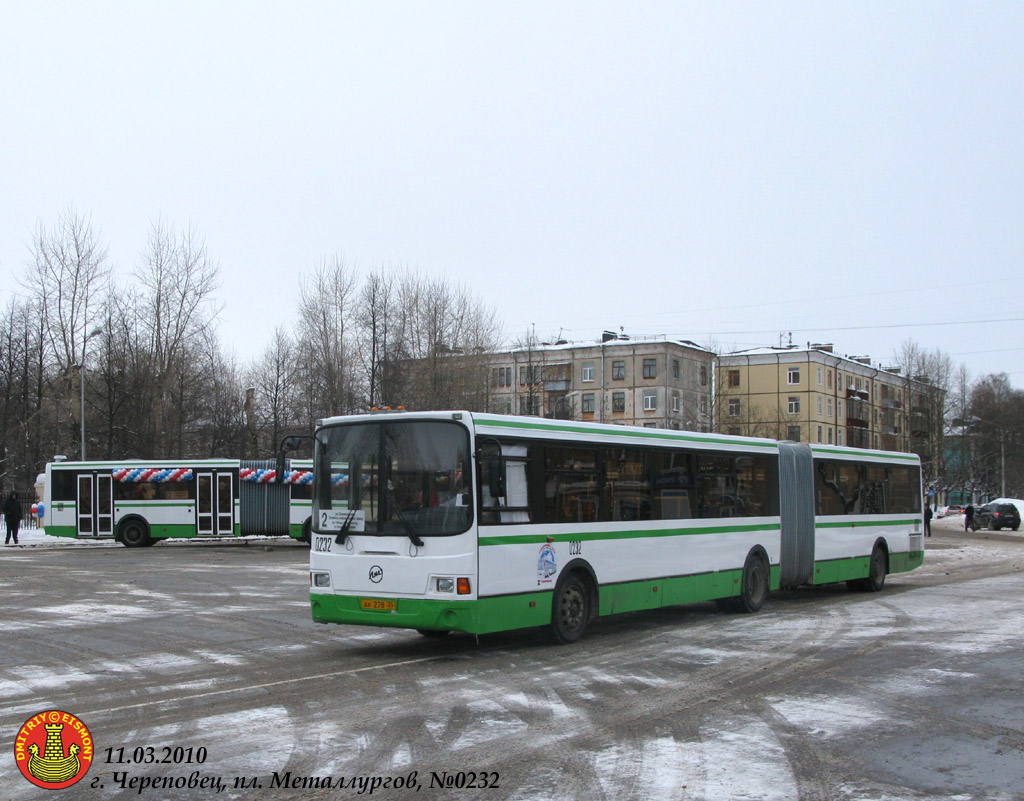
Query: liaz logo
[
  {"x": 376, "y": 574},
  {"x": 53, "y": 749}
]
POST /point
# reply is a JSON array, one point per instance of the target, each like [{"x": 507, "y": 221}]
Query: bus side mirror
[{"x": 288, "y": 444}]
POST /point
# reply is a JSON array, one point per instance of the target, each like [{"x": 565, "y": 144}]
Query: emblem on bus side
[
  {"x": 547, "y": 564},
  {"x": 376, "y": 574}
]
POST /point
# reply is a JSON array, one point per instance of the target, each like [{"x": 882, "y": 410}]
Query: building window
[
  {"x": 794, "y": 404},
  {"x": 675, "y": 368},
  {"x": 819, "y": 376},
  {"x": 734, "y": 407},
  {"x": 618, "y": 402},
  {"x": 650, "y": 400},
  {"x": 675, "y": 402},
  {"x": 839, "y": 407},
  {"x": 618, "y": 371},
  {"x": 704, "y": 375},
  {"x": 794, "y": 434},
  {"x": 735, "y": 431},
  {"x": 588, "y": 371},
  {"x": 839, "y": 437},
  {"x": 819, "y": 405},
  {"x": 501, "y": 377},
  {"x": 830, "y": 407},
  {"x": 734, "y": 378},
  {"x": 588, "y": 403},
  {"x": 830, "y": 379},
  {"x": 830, "y": 436},
  {"x": 819, "y": 433},
  {"x": 793, "y": 375},
  {"x": 529, "y": 374},
  {"x": 650, "y": 368},
  {"x": 529, "y": 404},
  {"x": 703, "y": 404}
]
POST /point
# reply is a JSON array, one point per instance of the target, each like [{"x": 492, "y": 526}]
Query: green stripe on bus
[
  {"x": 867, "y": 455},
  {"x": 579, "y": 536},
  {"x": 860, "y": 523},
  {"x": 624, "y": 432}
]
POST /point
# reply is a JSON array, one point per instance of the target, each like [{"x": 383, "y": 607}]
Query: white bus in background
[
  {"x": 458, "y": 521},
  {"x": 139, "y": 503}
]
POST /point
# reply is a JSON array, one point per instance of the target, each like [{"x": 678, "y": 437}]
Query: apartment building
[
  {"x": 815, "y": 395},
  {"x": 657, "y": 383}
]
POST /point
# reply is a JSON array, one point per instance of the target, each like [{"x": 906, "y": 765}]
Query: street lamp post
[{"x": 81, "y": 375}]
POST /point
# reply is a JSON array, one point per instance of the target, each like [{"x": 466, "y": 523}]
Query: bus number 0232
[
  {"x": 575, "y": 547},
  {"x": 322, "y": 544}
]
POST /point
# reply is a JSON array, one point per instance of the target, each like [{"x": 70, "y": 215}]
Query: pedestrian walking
[
  {"x": 12, "y": 517},
  {"x": 927, "y": 520},
  {"x": 968, "y": 516}
]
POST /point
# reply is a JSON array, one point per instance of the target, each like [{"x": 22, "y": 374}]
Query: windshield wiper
[
  {"x": 409, "y": 530},
  {"x": 345, "y": 525}
]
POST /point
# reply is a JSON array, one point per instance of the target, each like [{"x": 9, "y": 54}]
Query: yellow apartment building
[{"x": 814, "y": 395}]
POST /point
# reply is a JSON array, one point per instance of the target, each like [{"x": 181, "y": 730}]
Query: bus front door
[
  {"x": 95, "y": 505},
  {"x": 216, "y": 507}
]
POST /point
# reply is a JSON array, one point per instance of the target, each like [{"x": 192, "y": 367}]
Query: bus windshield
[{"x": 399, "y": 478}]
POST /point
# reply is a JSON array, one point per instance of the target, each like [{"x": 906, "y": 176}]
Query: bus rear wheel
[
  {"x": 877, "y": 570},
  {"x": 134, "y": 534},
  {"x": 570, "y": 609},
  {"x": 754, "y": 589}
]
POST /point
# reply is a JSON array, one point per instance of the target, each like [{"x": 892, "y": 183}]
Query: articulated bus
[
  {"x": 139, "y": 503},
  {"x": 478, "y": 523}
]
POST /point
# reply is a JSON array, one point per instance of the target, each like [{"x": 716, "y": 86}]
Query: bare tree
[
  {"x": 177, "y": 279},
  {"x": 325, "y": 307},
  {"x": 67, "y": 271}
]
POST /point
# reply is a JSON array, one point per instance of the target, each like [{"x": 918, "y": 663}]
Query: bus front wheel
[
  {"x": 570, "y": 609},
  {"x": 134, "y": 534}
]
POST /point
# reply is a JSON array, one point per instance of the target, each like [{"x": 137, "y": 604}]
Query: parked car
[
  {"x": 995, "y": 516},
  {"x": 941, "y": 512},
  {"x": 954, "y": 509}
]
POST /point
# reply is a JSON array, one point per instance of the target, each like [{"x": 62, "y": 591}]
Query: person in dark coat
[
  {"x": 927, "y": 521},
  {"x": 12, "y": 517},
  {"x": 968, "y": 516}
]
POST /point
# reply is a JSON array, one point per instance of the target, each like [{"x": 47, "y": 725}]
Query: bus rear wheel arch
[{"x": 134, "y": 533}]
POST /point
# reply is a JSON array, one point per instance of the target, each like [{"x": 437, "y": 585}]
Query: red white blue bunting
[{"x": 157, "y": 474}]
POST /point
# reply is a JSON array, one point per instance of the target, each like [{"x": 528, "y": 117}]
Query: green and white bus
[
  {"x": 139, "y": 503},
  {"x": 458, "y": 521}
]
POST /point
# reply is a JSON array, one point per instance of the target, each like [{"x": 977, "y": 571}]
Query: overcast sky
[{"x": 720, "y": 172}]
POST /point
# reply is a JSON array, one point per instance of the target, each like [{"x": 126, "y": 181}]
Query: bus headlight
[
  {"x": 446, "y": 585},
  {"x": 320, "y": 579}
]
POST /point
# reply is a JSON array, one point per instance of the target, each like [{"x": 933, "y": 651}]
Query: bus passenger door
[
  {"x": 85, "y": 507},
  {"x": 204, "y": 505},
  {"x": 215, "y": 508},
  {"x": 104, "y": 505},
  {"x": 225, "y": 505}
]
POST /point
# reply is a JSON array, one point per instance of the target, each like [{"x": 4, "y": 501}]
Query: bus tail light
[{"x": 463, "y": 586}]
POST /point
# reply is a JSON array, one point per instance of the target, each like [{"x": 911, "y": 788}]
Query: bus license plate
[{"x": 377, "y": 605}]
